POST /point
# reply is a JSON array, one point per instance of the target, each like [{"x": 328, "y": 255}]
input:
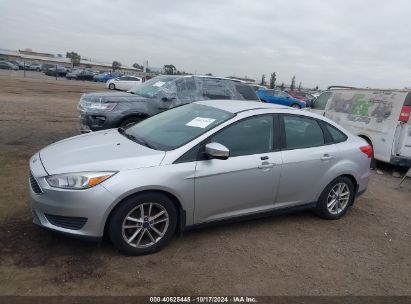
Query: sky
[{"x": 363, "y": 43}]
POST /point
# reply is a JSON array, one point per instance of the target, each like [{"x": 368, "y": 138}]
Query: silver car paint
[{"x": 207, "y": 190}]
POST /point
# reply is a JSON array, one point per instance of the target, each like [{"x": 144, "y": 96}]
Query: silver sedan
[{"x": 201, "y": 163}]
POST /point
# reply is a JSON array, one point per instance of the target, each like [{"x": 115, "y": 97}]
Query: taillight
[
  {"x": 367, "y": 150},
  {"x": 405, "y": 114}
]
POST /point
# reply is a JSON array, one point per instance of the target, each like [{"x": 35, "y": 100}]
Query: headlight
[
  {"x": 100, "y": 106},
  {"x": 77, "y": 181}
]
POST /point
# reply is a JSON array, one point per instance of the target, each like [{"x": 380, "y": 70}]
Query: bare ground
[{"x": 368, "y": 252}]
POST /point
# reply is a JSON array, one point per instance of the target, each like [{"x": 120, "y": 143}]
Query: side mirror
[
  {"x": 169, "y": 97},
  {"x": 217, "y": 151}
]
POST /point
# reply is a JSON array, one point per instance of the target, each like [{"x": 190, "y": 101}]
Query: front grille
[
  {"x": 68, "y": 222},
  {"x": 34, "y": 185}
]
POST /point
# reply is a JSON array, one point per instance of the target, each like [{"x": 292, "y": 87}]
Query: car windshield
[
  {"x": 176, "y": 127},
  {"x": 154, "y": 86}
]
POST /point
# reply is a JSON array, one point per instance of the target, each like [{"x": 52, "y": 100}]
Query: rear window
[
  {"x": 336, "y": 134},
  {"x": 246, "y": 91},
  {"x": 408, "y": 100}
]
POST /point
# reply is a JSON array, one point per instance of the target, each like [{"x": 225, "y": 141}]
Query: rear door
[
  {"x": 402, "y": 145},
  {"x": 307, "y": 154}
]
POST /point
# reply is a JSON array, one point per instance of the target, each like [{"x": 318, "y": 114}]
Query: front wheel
[
  {"x": 143, "y": 224},
  {"x": 111, "y": 86},
  {"x": 336, "y": 198},
  {"x": 130, "y": 121},
  {"x": 296, "y": 106}
]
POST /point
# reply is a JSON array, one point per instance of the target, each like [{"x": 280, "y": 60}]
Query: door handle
[
  {"x": 327, "y": 157},
  {"x": 266, "y": 165}
]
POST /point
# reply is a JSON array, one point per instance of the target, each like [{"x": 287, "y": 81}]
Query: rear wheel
[
  {"x": 296, "y": 106},
  {"x": 143, "y": 224},
  {"x": 111, "y": 86},
  {"x": 336, "y": 198}
]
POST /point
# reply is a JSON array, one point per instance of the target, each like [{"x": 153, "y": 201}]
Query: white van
[{"x": 382, "y": 117}]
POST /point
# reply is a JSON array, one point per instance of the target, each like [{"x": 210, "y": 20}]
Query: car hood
[
  {"x": 100, "y": 151},
  {"x": 112, "y": 96}
]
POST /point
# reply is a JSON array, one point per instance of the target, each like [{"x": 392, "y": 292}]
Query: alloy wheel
[
  {"x": 338, "y": 198},
  {"x": 145, "y": 225}
]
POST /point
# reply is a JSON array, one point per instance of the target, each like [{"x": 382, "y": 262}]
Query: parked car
[
  {"x": 280, "y": 97},
  {"x": 19, "y": 64},
  {"x": 35, "y": 67},
  {"x": 4, "y": 65},
  {"x": 80, "y": 75},
  {"x": 104, "y": 110},
  {"x": 104, "y": 77},
  {"x": 123, "y": 83},
  {"x": 196, "y": 164},
  {"x": 304, "y": 96},
  {"x": 59, "y": 71},
  {"x": 46, "y": 66},
  {"x": 381, "y": 117}
]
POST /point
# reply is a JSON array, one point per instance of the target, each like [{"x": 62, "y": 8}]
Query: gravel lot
[{"x": 368, "y": 252}]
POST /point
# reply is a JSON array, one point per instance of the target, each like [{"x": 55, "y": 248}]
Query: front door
[{"x": 246, "y": 182}]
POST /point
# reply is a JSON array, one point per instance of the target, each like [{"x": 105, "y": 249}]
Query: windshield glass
[
  {"x": 176, "y": 127},
  {"x": 154, "y": 86}
]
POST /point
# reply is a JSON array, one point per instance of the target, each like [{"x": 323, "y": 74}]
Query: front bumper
[
  {"x": 97, "y": 121},
  {"x": 80, "y": 213}
]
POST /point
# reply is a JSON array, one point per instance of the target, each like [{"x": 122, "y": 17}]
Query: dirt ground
[{"x": 368, "y": 252}]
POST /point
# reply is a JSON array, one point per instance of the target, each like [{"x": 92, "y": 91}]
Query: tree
[
  {"x": 300, "y": 86},
  {"x": 282, "y": 87},
  {"x": 116, "y": 65},
  {"x": 137, "y": 66},
  {"x": 292, "y": 86},
  {"x": 273, "y": 79},
  {"x": 74, "y": 58},
  {"x": 263, "y": 83},
  {"x": 169, "y": 69}
]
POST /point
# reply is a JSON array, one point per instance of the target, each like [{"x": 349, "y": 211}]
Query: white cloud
[{"x": 363, "y": 43}]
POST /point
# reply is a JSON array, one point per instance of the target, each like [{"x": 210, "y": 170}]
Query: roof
[
  {"x": 335, "y": 87},
  {"x": 236, "y": 106}
]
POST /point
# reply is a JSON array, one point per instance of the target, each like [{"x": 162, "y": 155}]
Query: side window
[
  {"x": 247, "y": 137},
  {"x": 336, "y": 134},
  {"x": 186, "y": 88},
  {"x": 215, "y": 89},
  {"x": 321, "y": 102},
  {"x": 302, "y": 132},
  {"x": 268, "y": 93},
  {"x": 246, "y": 91}
]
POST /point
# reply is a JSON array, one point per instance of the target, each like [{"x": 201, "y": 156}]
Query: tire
[
  {"x": 325, "y": 208},
  {"x": 130, "y": 121},
  {"x": 142, "y": 235},
  {"x": 296, "y": 106},
  {"x": 112, "y": 86}
]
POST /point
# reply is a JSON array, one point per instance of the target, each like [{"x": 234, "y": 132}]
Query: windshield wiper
[
  {"x": 145, "y": 143},
  {"x": 138, "y": 140}
]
